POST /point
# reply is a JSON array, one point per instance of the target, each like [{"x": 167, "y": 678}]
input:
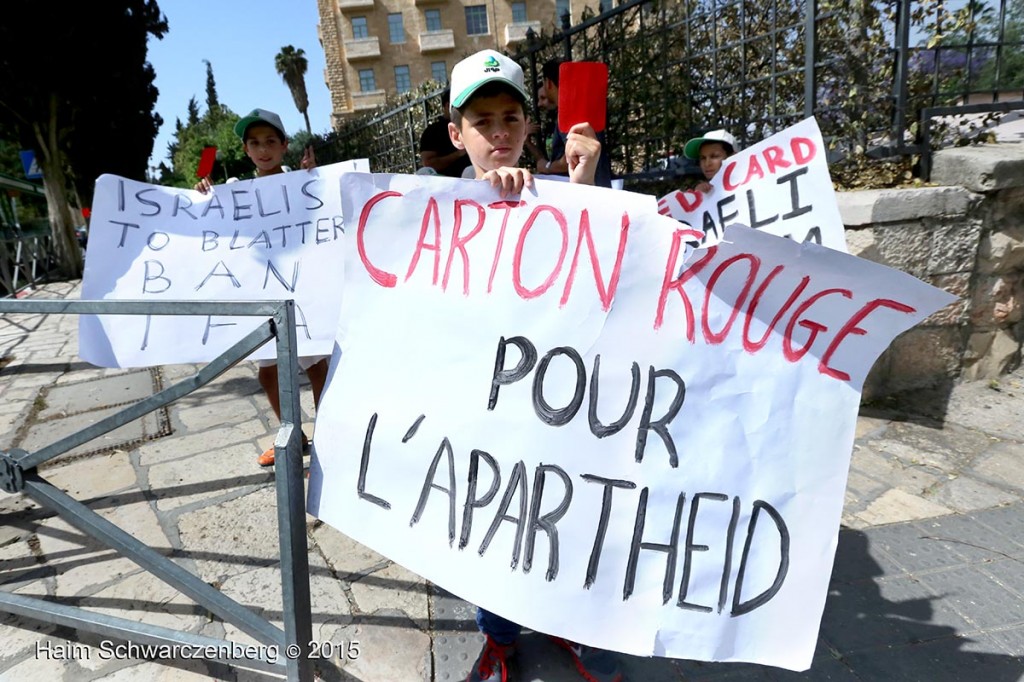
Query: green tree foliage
[
  {"x": 193, "y": 111},
  {"x": 1005, "y": 71},
  {"x": 213, "y": 128},
  {"x": 10, "y": 159},
  {"x": 291, "y": 65},
  {"x": 212, "y": 103},
  {"x": 210, "y": 130},
  {"x": 29, "y": 208},
  {"x": 85, "y": 115}
]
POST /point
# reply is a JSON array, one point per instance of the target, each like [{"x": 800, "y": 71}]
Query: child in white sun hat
[{"x": 710, "y": 150}]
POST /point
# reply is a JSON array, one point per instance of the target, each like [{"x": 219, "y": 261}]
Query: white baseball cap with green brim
[
  {"x": 477, "y": 70},
  {"x": 259, "y": 116},
  {"x": 692, "y": 148}
]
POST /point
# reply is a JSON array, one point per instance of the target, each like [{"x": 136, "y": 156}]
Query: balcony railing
[
  {"x": 350, "y": 5},
  {"x": 368, "y": 99},
  {"x": 516, "y": 33},
  {"x": 435, "y": 41},
  {"x": 362, "y": 48}
]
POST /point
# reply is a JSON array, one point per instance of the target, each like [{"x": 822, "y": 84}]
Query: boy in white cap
[
  {"x": 265, "y": 143},
  {"x": 710, "y": 150},
  {"x": 488, "y": 100}
]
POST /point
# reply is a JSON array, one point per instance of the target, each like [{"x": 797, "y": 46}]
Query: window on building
[
  {"x": 403, "y": 83},
  {"x": 476, "y": 20},
  {"x": 367, "y": 81},
  {"x": 396, "y": 30},
  {"x": 439, "y": 71},
  {"x": 433, "y": 17},
  {"x": 518, "y": 12},
  {"x": 359, "y": 28}
]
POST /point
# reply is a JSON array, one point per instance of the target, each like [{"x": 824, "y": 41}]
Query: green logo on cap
[{"x": 491, "y": 63}]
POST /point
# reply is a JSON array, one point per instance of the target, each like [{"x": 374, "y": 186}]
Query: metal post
[
  {"x": 412, "y": 139},
  {"x": 810, "y": 52},
  {"x": 926, "y": 145},
  {"x": 902, "y": 57},
  {"x": 531, "y": 54},
  {"x": 291, "y": 507},
  {"x": 17, "y": 266},
  {"x": 566, "y": 25}
]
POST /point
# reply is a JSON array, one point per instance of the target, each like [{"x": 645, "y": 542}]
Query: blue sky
[{"x": 240, "y": 39}]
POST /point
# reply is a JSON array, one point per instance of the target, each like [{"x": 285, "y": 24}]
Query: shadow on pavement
[{"x": 880, "y": 624}]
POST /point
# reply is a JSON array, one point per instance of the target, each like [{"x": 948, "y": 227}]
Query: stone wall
[
  {"x": 965, "y": 234},
  {"x": 335, "y": 74}
]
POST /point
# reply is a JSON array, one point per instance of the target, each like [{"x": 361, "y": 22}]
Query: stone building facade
[
  {"x": 964, "y": 234},
  {"x": 376, "y": 48}
]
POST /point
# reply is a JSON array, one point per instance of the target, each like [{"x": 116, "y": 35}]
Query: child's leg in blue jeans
[{"x": 501, "y": 630}]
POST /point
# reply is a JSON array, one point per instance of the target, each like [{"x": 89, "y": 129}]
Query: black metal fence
[
  {"x": 25, "y": 260},
  {"x": 886, "y": 79}
]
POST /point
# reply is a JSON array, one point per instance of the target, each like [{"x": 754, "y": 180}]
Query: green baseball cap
[
  {"x": 259, "y": 116},
  {"x": 486, "y": 66}
]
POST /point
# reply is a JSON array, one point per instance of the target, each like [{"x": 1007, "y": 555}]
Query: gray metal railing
[
  {"x": 25, "y": 261},
  {"x": 18, "y": 474}
]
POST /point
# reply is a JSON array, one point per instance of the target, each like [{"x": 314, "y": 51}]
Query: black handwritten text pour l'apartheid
[{"x": 526, "y": 517}]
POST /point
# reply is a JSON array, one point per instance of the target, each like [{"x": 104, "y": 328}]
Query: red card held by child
[
  {"x": 206, "y": 160},
  {"x": 582, "y": 95}
]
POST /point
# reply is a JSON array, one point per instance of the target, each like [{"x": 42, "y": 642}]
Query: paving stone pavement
[{"x": 928, "y": 581}]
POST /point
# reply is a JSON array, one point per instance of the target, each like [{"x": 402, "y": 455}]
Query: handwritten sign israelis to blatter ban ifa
[
  {"x": 536, "y": 405},
  {"x": 780, "y": 185},
  {"x": 272, "y": 238}
]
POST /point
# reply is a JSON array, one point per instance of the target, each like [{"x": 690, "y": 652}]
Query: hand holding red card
[
  {"x": 582, "y": 95},
  {"x": 206, "y": 160}
]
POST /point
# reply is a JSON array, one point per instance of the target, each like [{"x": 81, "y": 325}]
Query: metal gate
[{"x": 287, "y": 651}]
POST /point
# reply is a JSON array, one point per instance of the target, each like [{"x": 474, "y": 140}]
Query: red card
[
  {"x": 206, "y": 160},
  {"x": 582, "y": 95}
]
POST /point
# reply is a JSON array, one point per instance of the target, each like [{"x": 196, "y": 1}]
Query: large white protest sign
[
  {"x": 272, "y": 238},
  {"x": 617, "y": 183},
  {"x": 780, "y": 185},
  {"x": 535, "y": 407}
]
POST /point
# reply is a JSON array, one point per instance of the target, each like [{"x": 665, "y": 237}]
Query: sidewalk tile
[
  {"x": 823, "y": 669},
  {"x": 892, "y": 611},
  {"x": 1007, "y": 520},
  {"x": 971, "y": 539},
  {"x": 941, "y": 661},
  {"x": 913, "y": 549},
  {"x": 857, "y": 559},
  {"x": 1010, "y": 574},
  {"x": 976, "y": 597},
  {"x": 1011, "y": 640}
]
